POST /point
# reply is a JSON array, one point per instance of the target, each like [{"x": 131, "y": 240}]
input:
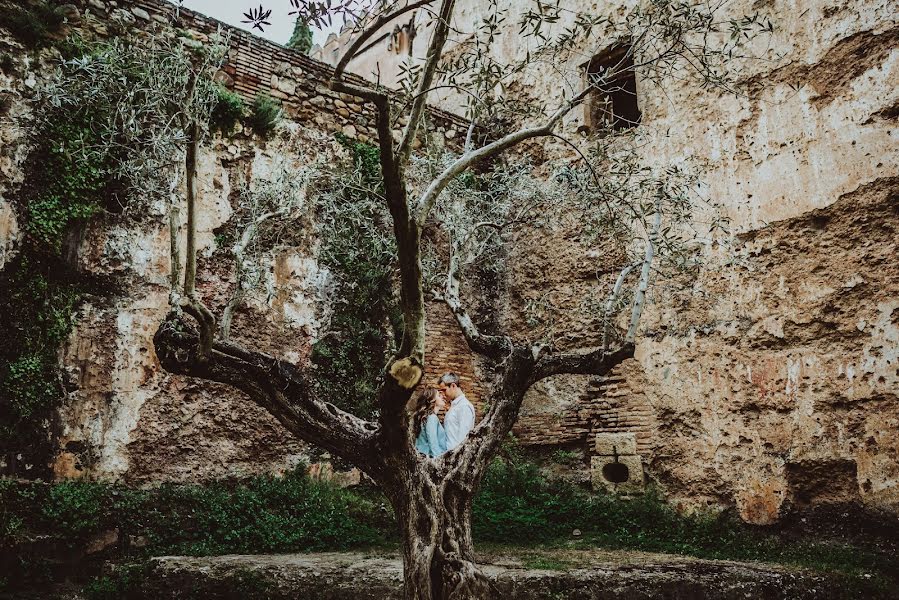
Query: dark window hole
[{"x": 616, "y": 472}]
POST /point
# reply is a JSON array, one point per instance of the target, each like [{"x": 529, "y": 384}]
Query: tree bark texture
[{"x": 432, "y": 498}]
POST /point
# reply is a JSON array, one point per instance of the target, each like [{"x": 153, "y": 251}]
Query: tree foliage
[
  {"x": 439, "y": 221},
  {"x": 301, "y": 39}
]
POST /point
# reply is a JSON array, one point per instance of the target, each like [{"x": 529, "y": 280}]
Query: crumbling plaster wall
[
  {"x": 124, "y": 418},
  {"x": 772, "y": 375},
  {"x": 783, "y": 351}
]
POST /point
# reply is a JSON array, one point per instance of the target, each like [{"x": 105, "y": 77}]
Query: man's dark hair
[{"x": 450, "y": 378}]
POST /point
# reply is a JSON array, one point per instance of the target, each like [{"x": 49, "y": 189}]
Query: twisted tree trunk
[
  {"x": 432, "y": 498},
  {"x": 434, "y": 518}
]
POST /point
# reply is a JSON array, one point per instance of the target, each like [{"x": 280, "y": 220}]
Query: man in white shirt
[{"x": 459, "y": 418}]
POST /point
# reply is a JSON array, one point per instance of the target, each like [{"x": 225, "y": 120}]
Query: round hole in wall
[{"x": 616, "y": 472}]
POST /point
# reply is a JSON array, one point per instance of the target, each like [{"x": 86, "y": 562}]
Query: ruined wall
[
  {"x": 768, "y": 381},
  {"x": 772, "y": 377},
  {"x": 124, "y": 417}
]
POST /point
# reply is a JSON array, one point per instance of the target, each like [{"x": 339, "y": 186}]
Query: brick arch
[{"x": 606, "y": 405}]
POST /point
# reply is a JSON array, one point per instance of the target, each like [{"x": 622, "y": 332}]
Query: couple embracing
[{"x": 434, "y": 438}]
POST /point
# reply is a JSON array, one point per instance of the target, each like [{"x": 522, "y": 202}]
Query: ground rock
[{"x": 336, "y": 576}]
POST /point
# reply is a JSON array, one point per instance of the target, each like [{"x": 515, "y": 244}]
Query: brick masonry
[
  {"x": 256, "y": 65},
  {"x": 607, "y": 406},
  {"x": 447, "y": 351}
]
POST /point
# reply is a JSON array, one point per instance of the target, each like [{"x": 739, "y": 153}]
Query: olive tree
[{"x": 432, "y": 497}]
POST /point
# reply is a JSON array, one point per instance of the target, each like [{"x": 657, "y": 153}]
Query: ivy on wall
[
  {"x": 63, "y": 188},
  {"x": 101, "y": 132}
]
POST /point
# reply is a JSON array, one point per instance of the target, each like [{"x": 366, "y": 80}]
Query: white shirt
[{"x": 458, "y": 421}]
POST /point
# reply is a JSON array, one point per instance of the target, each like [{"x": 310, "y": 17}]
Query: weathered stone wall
[
  {"x": 770, "y": 380},
  {"x": 124, "y": 417},
  {"x": 767, "y": 381}
]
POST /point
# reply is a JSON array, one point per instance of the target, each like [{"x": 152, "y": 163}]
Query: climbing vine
[
  {"x": 103, "y": 143},
  {"x": 63, "y": 188}
]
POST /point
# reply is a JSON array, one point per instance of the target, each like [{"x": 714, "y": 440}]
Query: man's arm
[
  {"x": 466, "y": 419},
  {"x": 454, "y": 432}
]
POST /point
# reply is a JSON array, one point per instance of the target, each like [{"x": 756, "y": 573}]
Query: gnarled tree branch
[
  {"x": 492, "y": 346},
  {"x": 597, "y": 362},
  {"x": 432, "y": 60},
  {"x": 277, "y": 386},
  {"x": 370, "y": 30},
  {"x": 429, "y": 196}
]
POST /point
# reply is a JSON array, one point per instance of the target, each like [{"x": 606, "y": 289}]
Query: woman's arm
[{"x": 432, "y": 429}]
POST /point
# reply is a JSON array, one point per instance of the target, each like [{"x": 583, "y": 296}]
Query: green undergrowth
[
  {"x": 349, "y": 359},
  {"x": 263, "y": 514},
  {"x": 256, "y": 515},
  {"x": 517, "y": 505},
  {"x": 517, "y": 509}
]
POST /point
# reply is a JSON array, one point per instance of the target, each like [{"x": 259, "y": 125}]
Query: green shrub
[
  {"x": 265, "y": 114},
  {"x": 350, "y": 358},
  {"x": 33, "y": 24},
  {"x": 229, "y": 110},
  {"x": 568, "y": 458},
  {"x": 266, "y": 514},
  {"x": 125, "y": 581},
  {"x": 74, "y": 508},
  {"x": 262, "y": 514}
]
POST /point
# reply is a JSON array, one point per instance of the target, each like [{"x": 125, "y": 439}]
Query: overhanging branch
[
  {"x": 432, "y": 60},
  {"x": 596, "y": 362},
  {"x": 429, "y": 197},
  {"x": 492, "y": 346},
  {"x": 277, "y": 386},
  {"x": 370, "y": 30}
]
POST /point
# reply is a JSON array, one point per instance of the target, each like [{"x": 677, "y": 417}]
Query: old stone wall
[
  {"x": 769, "y": 381},
  {"x": 124, "y": 417},
  {"x": 766, "y": 381}
]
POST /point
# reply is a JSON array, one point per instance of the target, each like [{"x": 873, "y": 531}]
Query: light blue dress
[{"x": 432, "y": 439}]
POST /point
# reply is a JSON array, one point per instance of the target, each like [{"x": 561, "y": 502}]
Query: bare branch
[
  {"x": 240, "y": 290},
  {"x": 610, "y": 304},
  {"x": 277, "y": 386},
  {"x": 640, "y": 296},
  {"x": 488, "y": 345},
  {"x": 370, "y": 30},
  {"x": 429, "y": 197},
  {"x": 190, "y": 171},
  {"x": 432, "y": 60},
  {"x": 597, "y": 362}
]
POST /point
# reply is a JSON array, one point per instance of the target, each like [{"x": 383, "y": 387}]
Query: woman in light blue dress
[{"x": 431, "y": 437}]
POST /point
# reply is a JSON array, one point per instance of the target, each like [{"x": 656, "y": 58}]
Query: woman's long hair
[{"x": 424, "y": 406}]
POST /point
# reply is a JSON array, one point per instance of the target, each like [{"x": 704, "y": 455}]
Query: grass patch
[
  {"x": 545, "y": 563},
  {"x": 293, "y": 513},
  {"x": 517, "y": 505}
]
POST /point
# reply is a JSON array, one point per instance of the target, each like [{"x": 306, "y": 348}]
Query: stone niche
[{"x": 616, "y": 466}]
